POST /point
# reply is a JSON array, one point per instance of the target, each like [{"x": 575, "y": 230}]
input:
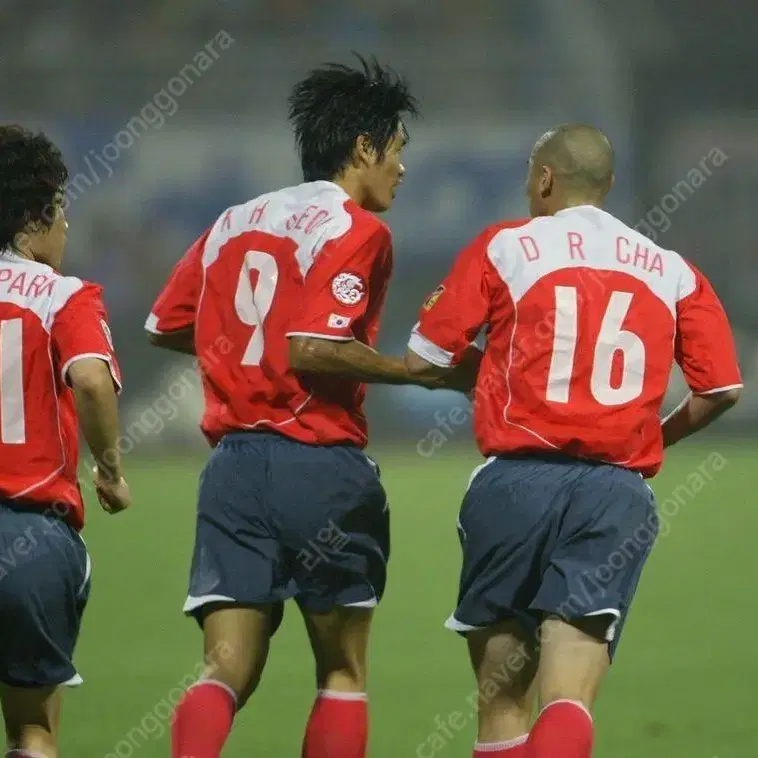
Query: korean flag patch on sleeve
[{"x": 338, "y": 322}]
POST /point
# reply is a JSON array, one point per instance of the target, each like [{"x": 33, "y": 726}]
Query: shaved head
[
  {"x": 569, "y": 164},
  {"x": 578, "y": 153}
]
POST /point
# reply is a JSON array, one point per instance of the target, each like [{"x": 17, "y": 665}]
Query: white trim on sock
[
  {"x": 493, "y": 747},
  {"x": 216, "y": 683},
  {"x": 577, "y": 703},
  {"x": 335, "y": 695}
]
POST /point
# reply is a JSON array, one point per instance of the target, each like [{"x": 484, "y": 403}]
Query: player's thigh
[
  {"x": 573, "y": 659},
  {"x": 506, "y": 523},
  {"x": 334, "y": 520},
  {"x": 605, "y": 539},
  {"x": 44, "y": 587},
  {"x": 339, "y": 639},
  {"x": 237, "y": 554}
]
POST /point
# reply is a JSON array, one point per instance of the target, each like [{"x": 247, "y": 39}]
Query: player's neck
[
  {"x": 21, "y": 252},
  {"x": 576, "y": 202},
  {"x": 353, "y": 187}
]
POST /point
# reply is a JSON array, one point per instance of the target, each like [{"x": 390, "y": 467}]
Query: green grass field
[{"x": 682, "y": 686}]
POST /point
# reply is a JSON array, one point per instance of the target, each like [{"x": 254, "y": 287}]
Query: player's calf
[
  {"x": 31, "y": 717},
  {"x": 339, "y": 640},
  {"x": 574, "y": 660},
  {"x": 338, "y": 723},
  {"x": 505, "y": 662},
  {"x": 236, "y": 648}
]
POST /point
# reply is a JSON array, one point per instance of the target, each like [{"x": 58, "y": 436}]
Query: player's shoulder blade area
[
  {"x": 310, "y": 214},
  {"x": 35, "y": 287},
  {"x": 666, "y": 271},
  {"x": 505, "y": 229},
  {"x": 588, "y": 245},
  {"x": 510, "y": 224}
]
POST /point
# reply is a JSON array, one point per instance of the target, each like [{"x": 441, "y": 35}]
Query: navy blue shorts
[
  {"x": 554, "y": 536},
  {"x": 44, "y": 586},
  {"x": 278, "y": 519}
]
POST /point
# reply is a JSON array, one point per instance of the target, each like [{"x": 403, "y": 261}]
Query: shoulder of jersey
[
  {"x": 367, "y": 221},
  {"x": 68, "y": 286},
  {"x": 57, "y": 288},
  {"x": 500, "y": 226},
  {"x": 512, "y": 224},
  {"x": 64, "y": 283},
  {"x": 682, "y": 266},
  {"x": 345, "y": 217},
  {"x": 74, "y": 283}
]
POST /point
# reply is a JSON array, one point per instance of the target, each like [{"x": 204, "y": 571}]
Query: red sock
[
  {"x": 564, "y": 728},
  {"x": 509, "y": 749},
  {"x": 337, "y": 727},
  {"x": 202, "y": 720}
]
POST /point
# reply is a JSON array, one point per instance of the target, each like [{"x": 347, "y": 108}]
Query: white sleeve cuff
[
  {"x": 429, "y": 351},
  {"x": 103, "y": 357},
  {"x": 151, "y": 325},
  {"x": 332, "y": 337},
  {"x": 721, "y": 389}
]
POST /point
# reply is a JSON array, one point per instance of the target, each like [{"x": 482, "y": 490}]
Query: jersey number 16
[{"x": 611, "y": 339}]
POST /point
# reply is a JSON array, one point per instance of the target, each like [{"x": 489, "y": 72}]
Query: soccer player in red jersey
[
  {"x": 585, "y": 318},
  {"x": 56, "y": 362},
  {"x": 280, "y": 301}
]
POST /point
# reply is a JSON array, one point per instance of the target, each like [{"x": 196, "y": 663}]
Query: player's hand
[
  {"x": 449, "y": 381},
  {"x": 460, "y": 379},
  {"x": 113, "y": 494}
]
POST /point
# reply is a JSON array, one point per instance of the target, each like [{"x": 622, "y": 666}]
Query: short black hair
[
  {"x": 335, "y": 104},
  {"x": 32, "y": 174}
]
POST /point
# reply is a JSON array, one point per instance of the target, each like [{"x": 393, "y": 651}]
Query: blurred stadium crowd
[{"x": 662, "y": 79}]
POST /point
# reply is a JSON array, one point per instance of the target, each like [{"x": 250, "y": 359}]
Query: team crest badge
[
  {"x": 348, "y": 289},
  {"x": 433, "y": 298}
]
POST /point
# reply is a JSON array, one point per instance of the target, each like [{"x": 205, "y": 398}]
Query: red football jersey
[
  {"x": 47, "y": 322},
  {"x": 585, "y": 319},
  {"x": 305, "y": 260}
]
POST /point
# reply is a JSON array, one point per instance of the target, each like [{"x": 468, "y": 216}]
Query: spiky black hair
[{"x": 335, "y": 104}]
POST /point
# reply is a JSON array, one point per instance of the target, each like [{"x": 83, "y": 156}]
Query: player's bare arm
[
  {"x": 97, "y": 408},
  {"x": 353, "y": 360},
  {"x": 696, "y": 413},
  {"x": 179, "y": 341},
  {"x": 462, "y": 376},
  {"x": 441, "y": 346}
]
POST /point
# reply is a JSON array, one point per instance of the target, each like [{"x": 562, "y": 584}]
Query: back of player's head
[
  {"x": 579, "y": 155},
  {"x": 32, "y": 175},
  {"x": 335, "y": 104}
]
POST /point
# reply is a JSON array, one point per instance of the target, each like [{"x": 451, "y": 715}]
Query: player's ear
[
  {"x": 23, "y": 239},
  {"x": 547, "y": 179},
  {"x": 364, "y": 150}
]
